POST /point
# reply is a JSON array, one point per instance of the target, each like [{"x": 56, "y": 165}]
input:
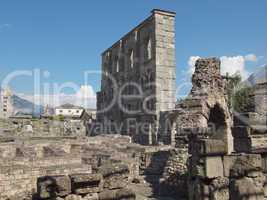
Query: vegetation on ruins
[
  {"x": 239, "y": 95},
  {"x": 232, "y": 83},
  {"x": 242, "y": 99}
]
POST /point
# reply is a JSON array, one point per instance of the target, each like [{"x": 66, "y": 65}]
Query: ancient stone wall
[
  {"x": 215, "y": 175},
  {"x": 144, "y": 59},
  {"x": 41, "y": 127},
  {"x": 23, "y": 162},
  {"x": 94, "y": 166}
]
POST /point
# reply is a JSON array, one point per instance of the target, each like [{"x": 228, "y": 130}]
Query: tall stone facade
[
  {"x": 6, "y": 106},
  {"x": 138, "y": 79}
]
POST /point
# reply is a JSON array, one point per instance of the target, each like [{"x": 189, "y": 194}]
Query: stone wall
[
  {"x": 41, "y": 127},
  {"x": 29, "y": 165},
  {"x": 214, "y": 175},
  {"x": 144, "y": 59},
  {"x": 23, "y": 162}
]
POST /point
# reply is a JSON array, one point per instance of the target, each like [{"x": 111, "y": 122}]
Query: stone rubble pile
[{"x": 109, "y": 184}]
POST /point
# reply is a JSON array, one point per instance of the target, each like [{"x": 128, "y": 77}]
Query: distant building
[
  {"x": 69, "y": 110},
  {"x": 6, "y": 104}
]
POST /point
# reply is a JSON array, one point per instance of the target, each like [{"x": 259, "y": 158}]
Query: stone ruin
[
  {"x": 44, "y": 127},
  {"x": 99, "y": 168},
  {"x": 220, "y": 155},
  {"x": 203, "y": 151}
]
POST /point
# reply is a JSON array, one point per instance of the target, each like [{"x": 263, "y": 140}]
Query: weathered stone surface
[
  {"x": 246, "y": 189},
  {"x": 219, "y": 189},
  {"x": 206, "y": 167},
  {"x": 119, "y": 194},
  {"x": 209, "y": 189},
  {"x": 213, "y": 167},
  {"x": 73, "y": 197},
  {"x": 208, "y": 147},
  {"x": 49, "y": 151},
  {"x": 53, "y": 186},
  {"x": 115, "y": 175},
  {"x": 86, "y": 183},
  {"x": 247, "y": 162},
  {"x": 250, "y": 139},
  {"x": 149, "y": 50},
  {"x": 92, "y": 196}
]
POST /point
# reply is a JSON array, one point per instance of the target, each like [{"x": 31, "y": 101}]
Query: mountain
[
  {"x": 21, "y": 105},
  {"x": 257, "y": 77},
  {"x": 25, "y": 106}
]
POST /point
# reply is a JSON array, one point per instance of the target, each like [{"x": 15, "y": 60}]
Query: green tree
[
  {"x": 232, "y": 83},
  {"x": 242, "y": 99}
]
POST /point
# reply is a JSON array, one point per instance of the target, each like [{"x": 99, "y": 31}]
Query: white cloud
[
  {"x": 251, "y": 57},
  {"x": 233, "y": 65},
  {"x": 84, "y": 97},
  {"x": 229, "y": 64},
  {"x": 191, "y": 64}
]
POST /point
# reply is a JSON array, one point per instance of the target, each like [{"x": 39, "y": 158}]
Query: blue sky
[{"x": 67, "y": 37}]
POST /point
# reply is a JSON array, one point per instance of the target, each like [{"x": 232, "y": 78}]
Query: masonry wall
[
  {"x": 43, "y": 127},
  {"x": 145, "y": 59},
  {"x": 23, "y": 162}
]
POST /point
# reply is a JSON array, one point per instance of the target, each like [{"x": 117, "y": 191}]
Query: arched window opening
[
  {"x": 217, "y": 121},
  {"x": 148, "y": 49},
  {"x": 131, "y": 58},
  {"x": 117, "y": 64}
]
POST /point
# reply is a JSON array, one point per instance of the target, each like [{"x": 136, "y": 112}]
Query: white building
[
  {"x": 6, "y": 104},
  {"x": 69, "y": 110}
]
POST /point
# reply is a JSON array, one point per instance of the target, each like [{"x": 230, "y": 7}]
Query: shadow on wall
[
  {"x": 155, "y": 164},
  {"x": 47, "y": 189},
  {"x": 217, "y": 119}
]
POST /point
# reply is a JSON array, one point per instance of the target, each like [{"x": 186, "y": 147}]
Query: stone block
[
  {"x": 53, "y": 186},
  {"x": 213, "y": 167},
  {"x": 252, "y": 160},
  {"x": 219, "y": 189},
  {"x": 86, "y": 183},
  {"x": 92, "y": 196},
  {"x": 208, "y": 147},
  {"x": 246, "y": 189},
  {"x": 73, "y": 197},
  {"x": 259, "y": 143},
  {"x": 118, "y": 194},
  {"x": 53, "y": 151},
  {"x": 115, "y": 175}
]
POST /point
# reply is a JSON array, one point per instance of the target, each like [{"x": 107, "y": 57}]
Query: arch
[{"x": 217, "y": 122}]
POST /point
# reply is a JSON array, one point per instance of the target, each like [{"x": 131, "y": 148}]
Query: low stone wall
[
  {"x": 22, "y": 163},
  {"x": 41, "y": 127},
  {"x": 214, "y": 175}
]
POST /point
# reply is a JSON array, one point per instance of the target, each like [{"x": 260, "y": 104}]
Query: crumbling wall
[
  {"x": 41, "y": 127},
  {"x": 22, "y": 163},
  {"x": 214, "y": 175},
  {"x": 112, "y": 160}
]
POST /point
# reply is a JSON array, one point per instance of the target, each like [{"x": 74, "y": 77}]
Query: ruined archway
[{"x": 217, "y": 122}]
